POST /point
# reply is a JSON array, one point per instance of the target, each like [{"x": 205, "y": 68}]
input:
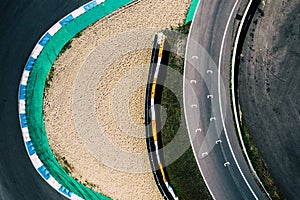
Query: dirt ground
[
  {"x": 269, "y": 85},
  {"x": 97, "y": 59}
]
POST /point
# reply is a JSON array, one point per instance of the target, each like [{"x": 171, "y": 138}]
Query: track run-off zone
[
  {"x": 22, "y": 97},
  {"x": 38, "y": 164}
]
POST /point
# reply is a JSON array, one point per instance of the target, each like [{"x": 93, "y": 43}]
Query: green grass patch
[
  {"x": 253, "y": 153},
  {"x": 184, "y": 175},
  {"x": 259, "y": 165}
]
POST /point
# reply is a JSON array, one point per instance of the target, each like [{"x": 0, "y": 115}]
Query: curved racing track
[
  {"x": 20, "y": 30},
  {"x": 207, "y": 103}
]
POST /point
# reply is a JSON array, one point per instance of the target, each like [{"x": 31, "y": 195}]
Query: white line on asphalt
[
  {"x": 218, "y": 141},
  {"x": 184, "y": 79},
  {"x": 198, "y": 129},
  {"x": 209, "y": 71},
  {"x": 219, "y": 90},
  {"x": 212, "y": 119},
  {"x": 234, "y": 102},
  {"x": 204, "y": 154},
  {"x": 226, "y": 164}
]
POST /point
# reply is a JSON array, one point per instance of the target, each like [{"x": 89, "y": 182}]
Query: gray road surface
[
  {"x": 22, "y": 24},
  {"x": 207, "y": 73},
  {"x": 269, "y": 88}
]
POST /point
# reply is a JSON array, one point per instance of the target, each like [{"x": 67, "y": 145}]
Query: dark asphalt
[
  {"x": 269, "y": 91},
  {"x": 22, "y": 24},
  {"x": 207, "y": 32}
]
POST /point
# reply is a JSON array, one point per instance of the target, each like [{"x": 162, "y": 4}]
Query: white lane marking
[
  {"x": 209, "y": 71},
  {"x": 37, "y": 50},
  {"x": 185, "y": 114},
  {"x": 219, "y": 91},
  {"x": 233, "y": 98},
  {"x": 22, "y": 109},
  {"x": 194, "y": 106},
  {"x": 26, "y": 136},
  {"x": 212, "y": 119},
  {"x": 154, "y": 172},
  {"x": 24, "y": 78},
  {"x": 37, "y": 163},
  {"x": 198, "y": 130},
  {"x": 193, "y": 81},
  {"x": 210, "y": 96},
  {"x": 218, "y": 141},
  {"x": 195, "y": 57},
  {"x": 226, "y": 164}
]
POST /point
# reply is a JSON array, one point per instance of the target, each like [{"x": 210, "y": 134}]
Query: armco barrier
[
  {"x": 152, "y": 136},
  {"x": 31, "y": 95}
]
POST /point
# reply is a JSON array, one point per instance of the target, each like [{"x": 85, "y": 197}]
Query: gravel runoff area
[
  {"x": 94, "y": 107},
  {"x": 269, "y": 88}
]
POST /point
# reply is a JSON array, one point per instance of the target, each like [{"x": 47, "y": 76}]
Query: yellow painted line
[
  {"x": 154, "y": 81},
  {"x": 154, "y": 133},
  {"x": 162, "y": 172},
  {"x": 153, "y": 91},
  {"x": 161, "y": 47},
  {"x": 160, "y": 54},
  {"x": 155, "y": 137}
]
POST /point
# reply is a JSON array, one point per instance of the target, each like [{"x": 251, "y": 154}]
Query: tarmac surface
[
  {"x": 207, "y": 121},
  {"x": 269, "y": 85},
  {"x": 22, "y": 24}
]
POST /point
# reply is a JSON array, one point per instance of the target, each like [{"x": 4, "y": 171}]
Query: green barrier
[
  {"x": 191, "y": 11},
  {"x": 35, "y": 91}
]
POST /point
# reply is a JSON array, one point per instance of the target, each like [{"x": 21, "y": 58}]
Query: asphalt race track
[
  {"x": 269, "y": 92},
  {"x": 202, "y": 99},
  {"x": 22, "y": 24}
]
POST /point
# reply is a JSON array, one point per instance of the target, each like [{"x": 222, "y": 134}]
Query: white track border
[
  {"x": 233, "y": 99},
  {"x": 37, "y": 163}
]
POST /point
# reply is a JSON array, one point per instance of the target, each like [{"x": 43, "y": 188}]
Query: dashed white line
[
  {"x": 226, "y": 164},
  {"x": 198, "y": 130},
  {"x": 209, "y": 71},
  {"x": 218, "y": 141},
  {"x": 185, "y": 114},
  {"x": 204, "y": 154},
  {"x": 212, "y": 119}
]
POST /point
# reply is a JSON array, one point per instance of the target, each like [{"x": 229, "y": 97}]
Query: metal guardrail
[{"x": 152, "y": 135}]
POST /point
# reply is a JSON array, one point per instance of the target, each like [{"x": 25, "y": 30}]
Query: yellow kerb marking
[
  {"x": 162, "y": 171},
  {"x": 154, "y": 81},
  {"x": 153, "y": 90},
  {"x": 161, "y": 48},
  {"x": 154, "y": 133}
]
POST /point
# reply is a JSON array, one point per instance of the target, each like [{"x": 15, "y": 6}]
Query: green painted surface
[
  {"x": 35, "y": 91},
  {"x": 191, "y": 11}
]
